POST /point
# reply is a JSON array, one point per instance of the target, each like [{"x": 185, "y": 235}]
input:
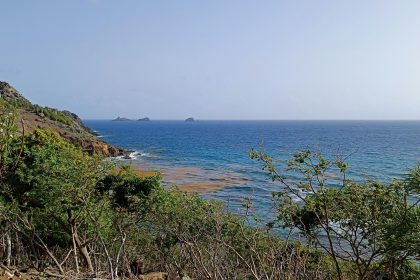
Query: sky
[{"x": 215, "y": 59}]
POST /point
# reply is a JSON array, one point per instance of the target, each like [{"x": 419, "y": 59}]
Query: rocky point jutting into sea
[{"x": 67, "y": 124}]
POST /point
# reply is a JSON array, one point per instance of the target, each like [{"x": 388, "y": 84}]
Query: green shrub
[
  {"x": 126, "y": 187},
  {"x": 59, "y": 204},
  {"x": 358, "y": 224}
]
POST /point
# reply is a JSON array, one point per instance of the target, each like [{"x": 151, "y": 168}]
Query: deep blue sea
[{"x": 217, "y": 151}]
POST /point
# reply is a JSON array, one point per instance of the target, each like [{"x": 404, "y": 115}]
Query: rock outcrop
[
  {"x": 120, "y": 119},
  {"x": 189, "y": 119},
  {"x": 67, "y": 124},
  {"x": 146, "y": 119}
]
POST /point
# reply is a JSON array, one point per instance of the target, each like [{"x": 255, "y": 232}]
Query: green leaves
[
  {"x": 412, "y": 182},
  {"x": 361, "y": 223},
  {"x": 8, "y": 130},
  {"x": 126, "y": 188}
]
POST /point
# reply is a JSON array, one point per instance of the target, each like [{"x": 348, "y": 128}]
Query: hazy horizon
[
  {"x": 262, "y": 120},
  {"x": 216, "y": 60}
]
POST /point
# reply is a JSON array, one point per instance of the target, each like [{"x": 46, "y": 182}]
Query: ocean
[{"x": 212, "y": 156}]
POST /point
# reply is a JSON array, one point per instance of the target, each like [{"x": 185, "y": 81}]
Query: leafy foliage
[
  {"x": 52, "y": 114},
  {"x": 364, "y": 224},
  {"x": 126, "y": 187},
  {"x": 7, "y": 135},
  {"x": 81, "y": 214}
]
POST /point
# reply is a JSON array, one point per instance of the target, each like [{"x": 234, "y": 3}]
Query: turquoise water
[{"x": 218, "y": 150}]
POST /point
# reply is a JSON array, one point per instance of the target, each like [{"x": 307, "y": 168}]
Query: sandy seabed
[{"x": 194, "y": 179}]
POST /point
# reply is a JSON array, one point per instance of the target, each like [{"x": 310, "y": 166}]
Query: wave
[
  {"x": 134, "y": 155},
  {"x": 103, "y": 136}
]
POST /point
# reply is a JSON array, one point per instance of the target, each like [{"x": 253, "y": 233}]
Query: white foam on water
[{"x": 135, "y": 155}]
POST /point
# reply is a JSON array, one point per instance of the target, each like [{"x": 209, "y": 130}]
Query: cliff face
[{"x": 65, "y": 123}]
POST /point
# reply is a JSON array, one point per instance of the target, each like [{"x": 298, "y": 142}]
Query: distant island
[
  {"x": 146, "y": 119},
  {"x": 119, "y": 119},
  {"x": 191, "y": 119}
]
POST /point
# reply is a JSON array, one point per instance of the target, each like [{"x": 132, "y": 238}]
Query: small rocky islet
[{"x": 121, "y": 119}]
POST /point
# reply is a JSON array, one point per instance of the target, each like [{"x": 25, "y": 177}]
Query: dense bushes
[
  {"x": 52, "y": 114},
  {"x": 370, "y": 226},
  {"x": 125, "y": 187},
  {"x": 77, "y": 213},
  {"x": 62, "y": 208}
]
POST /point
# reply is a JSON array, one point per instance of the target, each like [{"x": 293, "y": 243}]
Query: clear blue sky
[{"x": 216, "y": 59}]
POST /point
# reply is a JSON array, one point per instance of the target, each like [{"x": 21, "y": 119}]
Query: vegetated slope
[{"x": 67, "y": 124}]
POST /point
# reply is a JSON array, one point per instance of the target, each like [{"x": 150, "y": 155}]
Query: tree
[
  {"x": 56, "y": 186},
  {"x": 365, "y": 224}
]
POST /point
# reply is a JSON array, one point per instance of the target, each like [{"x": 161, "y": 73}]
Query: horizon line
[{"x": 195, "y": 120}]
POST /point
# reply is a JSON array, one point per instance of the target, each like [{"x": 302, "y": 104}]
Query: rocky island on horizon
[{"x": 121, "y": 119}]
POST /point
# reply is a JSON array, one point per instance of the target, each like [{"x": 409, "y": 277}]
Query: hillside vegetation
[
  {"x": 68, "y": 125},
  {"x": 67, "y": 214}
]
